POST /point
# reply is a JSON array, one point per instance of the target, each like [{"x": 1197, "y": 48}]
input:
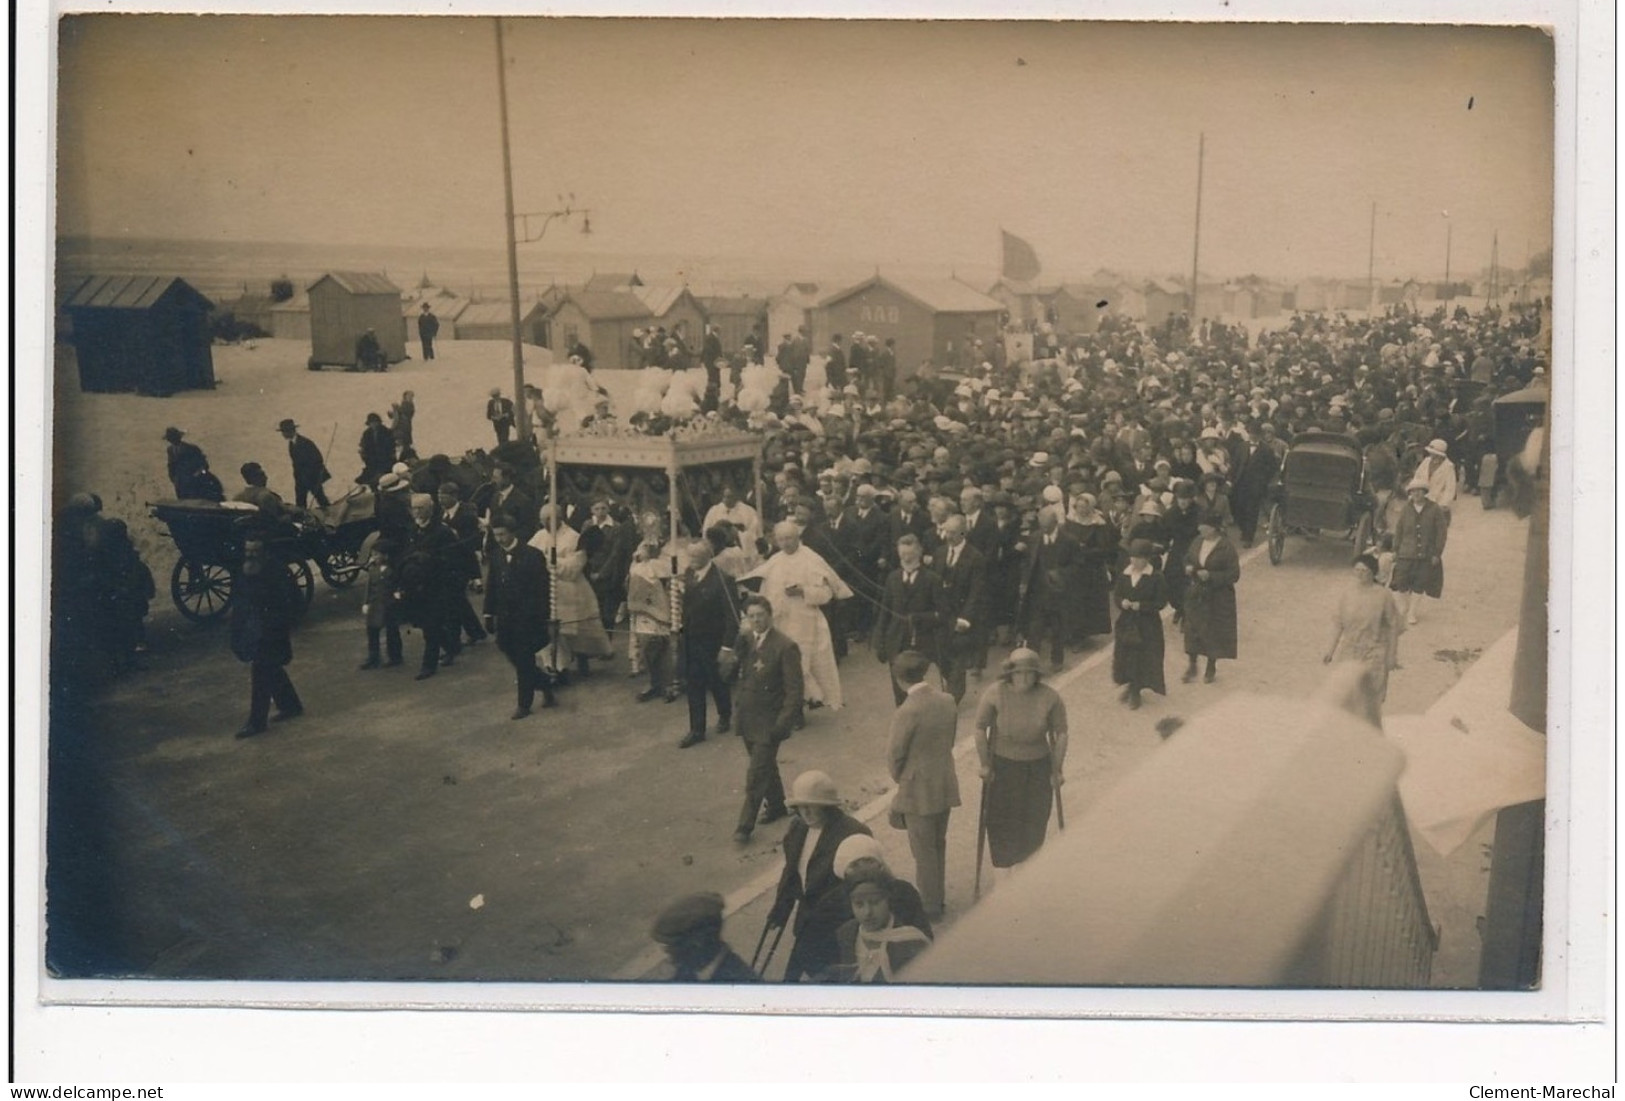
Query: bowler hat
[
  {"x": 286, "y": 425},
  {"x": 1141, "y": 548},
  {"x": 173, "y": 435}
]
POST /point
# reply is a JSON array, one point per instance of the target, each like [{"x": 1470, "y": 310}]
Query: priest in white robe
[{"x": 798, "y": 583}]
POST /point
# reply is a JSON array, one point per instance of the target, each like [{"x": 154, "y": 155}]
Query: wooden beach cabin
[
  {"x": 931, "y": 319},
  {"x": 345, "y": 304},
  {"x": 142, "y": 333}
]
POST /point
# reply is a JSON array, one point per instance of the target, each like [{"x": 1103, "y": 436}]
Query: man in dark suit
[
  {"x": 1052, "y": 560},
  {"x": 869, "y": 536},
  {"x": 818, "y": 537},
  {"x": 907, "y": 518},
  {"x": 981, "y": 525},
  {"x": 810, "y": 886},
  {"x": 913, "y": 610},
  {"x": 1252, "y": 486},
  {"x": 505, "y": 496},
  {"x": 309, "y": 469},
  {"x": 517, "y": 598},
  {"x": 710, "y": 630},
  {"x": 265, "y": 602},
  {"x": 459, "y": 518},
  {"x": 609, "y": 545},
  {"x": 964, "y": 586},
  {"x": 767, "y": 698},
  {"x": 428, "y": 329},
  {"x": 428, "y": 571}
]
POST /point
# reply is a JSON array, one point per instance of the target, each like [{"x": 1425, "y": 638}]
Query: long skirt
[
  {"x": 1137, "y": 652},
  {"x": 1018, "y": 807},
  {"x": 1418, "y": 575}
]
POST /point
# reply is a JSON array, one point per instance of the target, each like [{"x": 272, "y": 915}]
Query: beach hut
[
  {"x": 735, "y": 318},
  {"x": 603, "y": 321},
  {"x": 1163, "y": 299},
  {"x": 676, "y": 309},
  {"x": 143, "y": 333},
  {"x": 494, "y": 321},
  {"x": 345, "y": 304},
  {"x": 930, "y": 319},
  {"x": 1022, "y": 301},
  {"x": 612, "y": 281},
  {"x": 789, "y": 311},
  {"x": 1078, "y": 307},
  {"x": 290, "y": 320}
]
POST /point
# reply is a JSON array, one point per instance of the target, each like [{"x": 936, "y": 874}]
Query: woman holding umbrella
[
  {"x": 1212, "y": 567},
  {"x": 1137, "y": 646},
  {"x": 1021, "y": 738}
]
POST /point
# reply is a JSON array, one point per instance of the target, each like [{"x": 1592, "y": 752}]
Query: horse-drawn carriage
[
  {"x": 1322, "y": 488},
  {"x": 210, "y": 539}
]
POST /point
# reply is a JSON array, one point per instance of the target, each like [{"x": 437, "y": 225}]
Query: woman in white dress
[{"x": 581, "y": 632}]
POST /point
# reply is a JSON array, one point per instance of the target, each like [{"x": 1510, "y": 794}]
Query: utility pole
[
  {"x": 1449, "y": 291},
  {"x": 521, "y": 407},
  {"x": 1495, "y": 268},
  {"x": 1371, "y": 266},
  {"x": 1196, "y": 248}
]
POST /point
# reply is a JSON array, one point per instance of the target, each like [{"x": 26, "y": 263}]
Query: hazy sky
[{"x": 892, "y": 143}]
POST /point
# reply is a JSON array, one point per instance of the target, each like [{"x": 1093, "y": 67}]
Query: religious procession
[{"x": 750, "y": 536}]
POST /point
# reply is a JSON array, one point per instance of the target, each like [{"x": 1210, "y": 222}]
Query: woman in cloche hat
[
  {"x": 1021, "y": 736},
  {"x": 1137, "y": 645}
]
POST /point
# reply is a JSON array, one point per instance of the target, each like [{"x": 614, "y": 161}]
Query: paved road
[{"x": 406, "y": 830}]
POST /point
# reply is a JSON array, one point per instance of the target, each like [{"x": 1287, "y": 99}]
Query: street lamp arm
[{"x": 528, "y": 237}]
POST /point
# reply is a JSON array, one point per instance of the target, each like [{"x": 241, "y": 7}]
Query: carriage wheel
[
  {"x": 1277, "y": 535},
  {"x": 306, "y": 582},
  {"x": 1362, "y": 537},
  {"x": 340, "y": 568},
  {"x": 201, "y": 591}
]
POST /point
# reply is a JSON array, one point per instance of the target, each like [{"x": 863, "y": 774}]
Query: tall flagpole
[
  {"x": 1196, "y": 248},
  {"x": 521, "y": 407}
]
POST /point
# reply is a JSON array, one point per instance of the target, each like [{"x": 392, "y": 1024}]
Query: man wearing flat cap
[
  {"x": 690, "y": 930},
  {"x": 309, "y": 468}
]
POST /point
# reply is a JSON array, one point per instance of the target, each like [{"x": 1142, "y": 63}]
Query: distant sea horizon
[{"x": 223, "y": 270}]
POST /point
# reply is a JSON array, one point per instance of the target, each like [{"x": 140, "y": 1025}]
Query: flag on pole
[{"x": 1020, "y": 261}]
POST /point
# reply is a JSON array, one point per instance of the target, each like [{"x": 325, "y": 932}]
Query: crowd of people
[{"x": 1033, "y": 503}]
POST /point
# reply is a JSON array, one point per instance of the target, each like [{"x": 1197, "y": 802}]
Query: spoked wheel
[
  {"x": 340, "y": 568},
  {"x": 1277, "y": 536},
  {"x": 201, "y": 591},
  {"x": 1362, "y": 537},
  {"x": 305, "y": 580}
]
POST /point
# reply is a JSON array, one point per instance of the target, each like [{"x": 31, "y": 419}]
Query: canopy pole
[
  {"x": 672, "y": 504},
  {"x": 553, "y": 549}
]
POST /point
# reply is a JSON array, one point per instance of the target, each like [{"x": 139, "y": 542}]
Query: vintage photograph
[{"x": 1018, "y": 504}]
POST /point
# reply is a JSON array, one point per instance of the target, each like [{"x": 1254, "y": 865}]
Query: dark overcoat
[
  {"x": 1137, "y": 643},
  {"x": 1210, "y": 606}
]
